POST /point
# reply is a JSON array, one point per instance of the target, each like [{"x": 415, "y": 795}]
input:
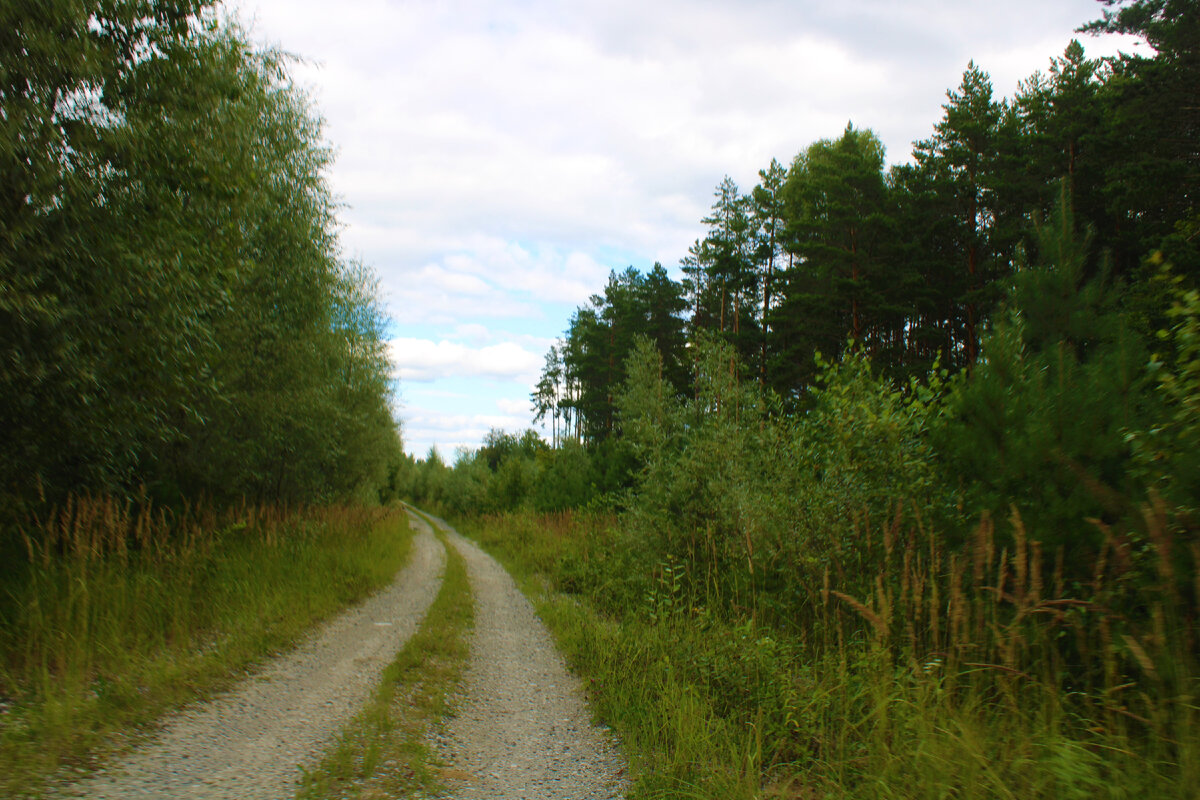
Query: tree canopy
[{"x": 175, "y": 308}]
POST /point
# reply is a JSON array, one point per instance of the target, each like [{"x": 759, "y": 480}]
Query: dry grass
[
  {"x": 120, "y": 611},
  {"x": 1007, "y": 610}
]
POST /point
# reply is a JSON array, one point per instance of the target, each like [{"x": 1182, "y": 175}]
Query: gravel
[
  {"x": 521, "y": 730},
  {"x": 249, "y": 744}
]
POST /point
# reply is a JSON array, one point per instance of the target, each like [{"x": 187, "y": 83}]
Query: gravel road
[
  {"x": 249, "y": 744},
  {"x": 521, "y": 730}
]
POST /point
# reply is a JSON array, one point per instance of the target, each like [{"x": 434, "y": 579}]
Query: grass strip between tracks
[{"x": 383, "y": 751}]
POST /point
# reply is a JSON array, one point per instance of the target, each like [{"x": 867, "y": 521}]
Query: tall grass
[
  {"x": 990, "y": 675},
  {"x": 118, "y": 611},
  {"x": 975, "y": 673}
]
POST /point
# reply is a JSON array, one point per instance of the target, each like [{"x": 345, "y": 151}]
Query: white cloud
[
  {"x": 422, "y": 360},
  {"x": 473, "y": 333},
  {"x": 512, "y": 407},
  {"x": 433, "y": 420},
  {"x": 477, "y": 335},
  {"x": 424, "y": 428},
  {"x": 496, "y": 160},
  {"x": 442, "y": 393}
]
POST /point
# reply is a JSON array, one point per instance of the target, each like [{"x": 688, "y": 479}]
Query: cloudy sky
[{"x": 496, "y": 158}]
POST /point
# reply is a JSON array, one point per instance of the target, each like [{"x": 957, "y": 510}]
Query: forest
[
  {"x": 196, "y": 407},
  {"x": 893, "y": 493},
  {"x": 178, "y": 320}
]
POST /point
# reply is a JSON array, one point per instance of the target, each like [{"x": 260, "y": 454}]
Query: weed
[
  {"x": 121, "y": 611},
  {"x": 969, "y": 673}
]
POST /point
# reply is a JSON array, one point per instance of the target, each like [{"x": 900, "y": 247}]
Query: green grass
[
  {"x": 383, "y": 752},
  {"x": 716, "y": 705},
  {"x": 117, "y": 615}
]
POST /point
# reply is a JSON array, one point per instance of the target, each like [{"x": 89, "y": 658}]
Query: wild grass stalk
[
  {"x": 974, "y": 673},
  {"x": 120, "y": 611}
]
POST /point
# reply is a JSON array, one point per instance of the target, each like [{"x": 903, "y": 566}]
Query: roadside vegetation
[
  {"x": 194, "y": 395},
  {"x": 805, "y": 606},
  {"x": 894, "y": 495},
  {"x": 120, "y": 612},
  {"x": 954, "y": 677}
]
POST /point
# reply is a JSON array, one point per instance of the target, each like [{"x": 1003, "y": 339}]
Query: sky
[{"x": 495, "y": 159}]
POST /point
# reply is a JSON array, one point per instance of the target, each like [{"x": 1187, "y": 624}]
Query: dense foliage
[
  {"x": 905, "y": 467},
  {"x": 1021, "y": 250},
  {"x": 174, "y": 308},
  {"x": 910, "y": 262}
]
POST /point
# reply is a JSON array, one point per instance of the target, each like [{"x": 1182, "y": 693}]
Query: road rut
[
  {"x": 521, "y": 729},
  {"x": 250, "y": 743}
]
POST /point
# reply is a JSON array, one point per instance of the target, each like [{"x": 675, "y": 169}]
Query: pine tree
[
  {"x": 767, "y": 204},
  {"x": 1053, "y": 132},
  {"x": 837, "y": 235},
  {"x": 547, "y": 395},
  {"x": 959, "y": 164},
  {"x": 600, "y": 339},
  {"x": 722, "y": 278},
  {"x": 1041, "y": 422},
  {"x": 1152, "y": 116}
]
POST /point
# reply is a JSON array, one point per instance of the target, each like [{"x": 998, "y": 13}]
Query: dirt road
[
  {"x": 249, "y": 744},
  {"x": 521, "y": 728}
]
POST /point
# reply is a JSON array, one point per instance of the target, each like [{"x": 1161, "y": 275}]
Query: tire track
[
  {"x": 249, "y": 744},
  {"x": 521, "y": 728}
]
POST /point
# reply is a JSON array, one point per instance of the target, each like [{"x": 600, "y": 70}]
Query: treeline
[
  {"x": 1029, "y": 276},
  {"x": 957, "y": 553},
  {"x": 909, "y": 262},
  {"x": 176, "y": 316}
]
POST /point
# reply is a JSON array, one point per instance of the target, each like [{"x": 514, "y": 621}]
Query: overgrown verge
[
  {"x": 975, "y": 674},
  {"x": 118, "y": 612},
  {"x": 976, "y": 586},
  {"x": 383, "y": 751}
]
